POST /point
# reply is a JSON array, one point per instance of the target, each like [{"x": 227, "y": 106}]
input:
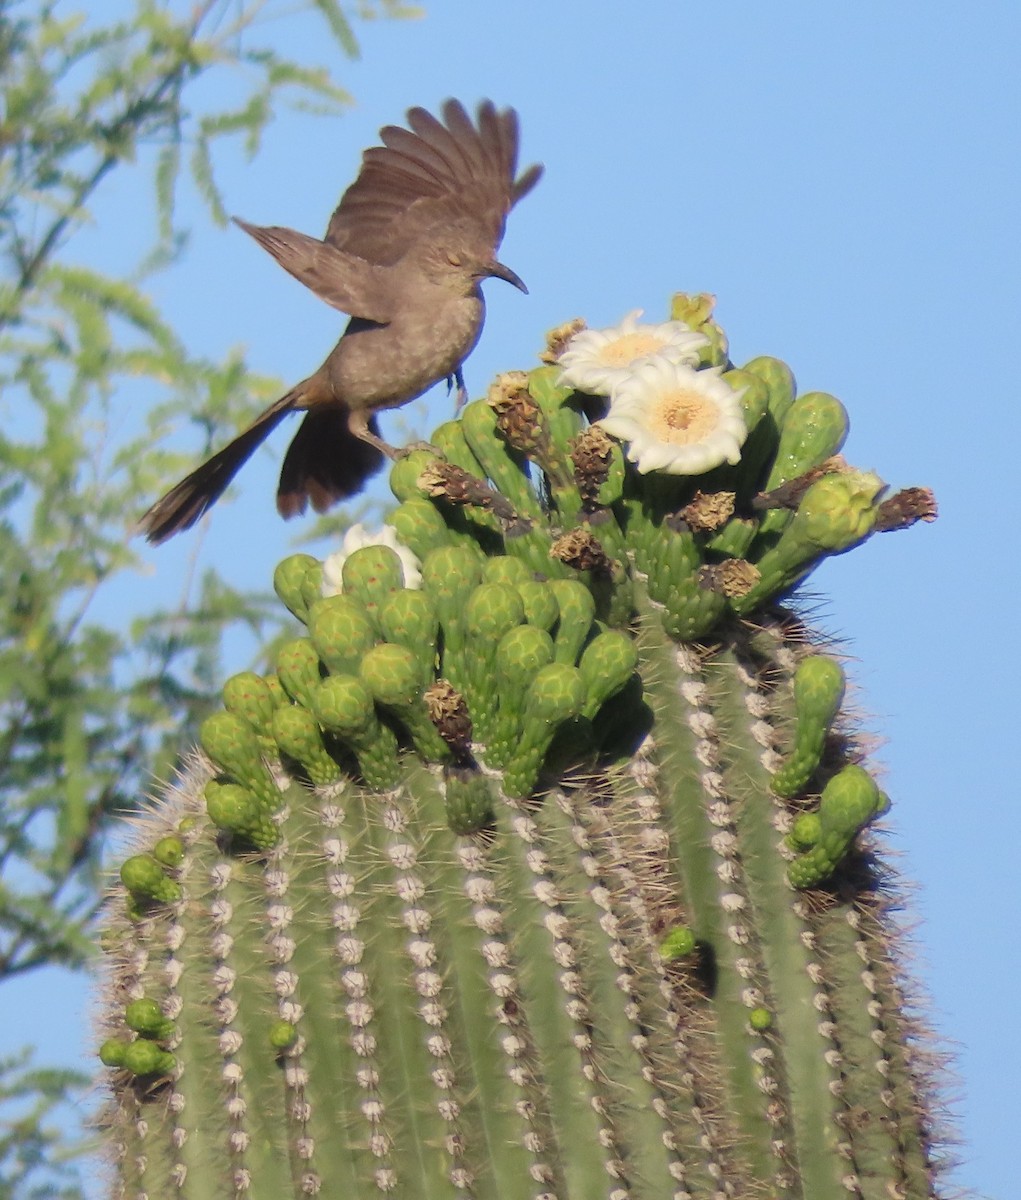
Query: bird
[{"x": 404, "y": 256}]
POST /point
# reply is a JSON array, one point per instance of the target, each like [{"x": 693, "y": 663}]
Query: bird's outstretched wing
[
  {"x": 434, "y": 173},
  {"x": 342, "y": 279}
]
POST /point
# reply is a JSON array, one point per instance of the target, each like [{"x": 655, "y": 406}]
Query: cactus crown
[{"x": 546, "y": 878}]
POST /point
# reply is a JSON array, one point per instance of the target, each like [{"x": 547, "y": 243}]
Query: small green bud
[
  {"x": 234, "y": 747},
  {"x": 419, "y": 525},
  {"x": 849, "y": 802},
  {"x": 146, "y": 879},
  {"x": 469, "y": 802},
  {"x": 540, "y": 603},
  {"x": 492, "y": 609},
  {"x": 408, "y": 618},
  {"x": 371, "y": 574},
  {"x": 760, "y": 1019},
  {"x": 392, "y": 674},
  {"x": 679, "y": 943},
  {"x": 169, "y": 851},
  {"x": 343, "y": 704},
  {"x": 805, "y": 832},
  {"x": 238, "y": 811},
  {"x": 231, "y": 743},
  {"x": 341, "y": 631},
  {"x": 299, "y": 669},
  {"x": 297, "y": 733},
  {"x": 298, "y": 581},
  {"x": 814, "y": 429},
  {"x": 282, "y": 1035},
  {"x": 607, "y": 664},
  {"x": 146, "y": 1018},
  {"x": 577, "y": 608},
  {"x": 147, "y": 1058},
  {"x": 503, "y": 568},
  {"x": 405, "y": 472},
  {"x": 250, "y": 697},
  {"x": 818, "y": 693},
  {"x": 113, "y": 1052}
]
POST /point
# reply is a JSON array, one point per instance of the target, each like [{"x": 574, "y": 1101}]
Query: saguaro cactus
[{"x": 540, "y": 866}]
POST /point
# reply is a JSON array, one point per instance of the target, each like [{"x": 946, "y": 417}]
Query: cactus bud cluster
[{"x": 537, "y": 863}]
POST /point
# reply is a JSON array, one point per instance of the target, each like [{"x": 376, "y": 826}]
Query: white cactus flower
[
  {"x": 675, "y": 419},
  {"x": 598, "y": 360}
]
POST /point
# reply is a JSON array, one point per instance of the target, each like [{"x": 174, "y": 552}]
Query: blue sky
[{"x": 845, "y": 179}]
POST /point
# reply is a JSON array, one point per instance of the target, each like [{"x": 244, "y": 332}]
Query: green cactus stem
[{"x": 553, "y": 879}]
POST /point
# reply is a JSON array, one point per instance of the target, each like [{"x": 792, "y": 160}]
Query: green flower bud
[
  {"x": 371, "y": 574},
  {"x": 500, "y": 464},
  {"x": 760, "y": 1019},
  {"x": 396, "y": 679},
  {"x": 469, "y": 802},
  {"x": 779, "y": 381},
  {"x": 169, "y": 851},
  {"x": 577, "y": 609},
  {"x": 419, "y": 525},
  {"x": 240, "y": 813},
  {"x": 250, "y": 697},
  {"x": 679, "y": 943},
  {"x": 540, "y": 602},
  {"x": 405, "y": 472},
  {"x": 502, "y": 568},
  {"x": 146, "y": 879},
  {"x": 234, "y": 747},
  {"x": 282, "y": 1035},
  {"x": 849, "y": 801},
  {"x": 449, "y": 437},
  {"x": 814, "y": 428},
  {"x": 341, "y": 631},
  {"x": 448, "y": 576},
  {"x": 298, "y": 581},
  {"x": 343, "y": 705},
  {"x": 146, "y": 1058},
  {"x": 805, "y": 832},
  {"x": 146, "y": 1017},
  {"x": 607, "y": 664},
  {"x": 837, "y": 512},
  {"x": 113, "y": 1052},
  {"x": 818, "y": 694},
  {"x": 409, "y": 619},
  {"x": 557, "y": 693},
  {"x": 298, "y": 735}
]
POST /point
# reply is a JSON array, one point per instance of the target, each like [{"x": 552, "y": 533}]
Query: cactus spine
[{"x": 551, "y": 879}]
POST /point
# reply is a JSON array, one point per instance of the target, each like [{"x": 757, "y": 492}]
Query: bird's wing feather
[
  {"x": 342, "y": 279},
  {"x": 432, "y": 172}
]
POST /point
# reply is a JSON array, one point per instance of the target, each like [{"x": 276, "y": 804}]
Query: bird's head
[{"x": 461, "y": 260}]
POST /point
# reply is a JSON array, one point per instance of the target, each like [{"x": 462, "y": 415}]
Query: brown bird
[{"x": 404, "y": 256}]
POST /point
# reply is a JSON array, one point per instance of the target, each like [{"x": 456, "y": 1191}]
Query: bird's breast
[{"x": 383, "y": 366}]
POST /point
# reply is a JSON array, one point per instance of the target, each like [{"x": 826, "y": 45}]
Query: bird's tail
[
  {"x": 326, "y": 462},
  {"x": 184, "y": 504}
]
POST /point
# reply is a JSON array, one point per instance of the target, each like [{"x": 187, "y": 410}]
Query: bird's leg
[
  {"x": 462, "y": 391},
  {"x": 358, "y": 423}
]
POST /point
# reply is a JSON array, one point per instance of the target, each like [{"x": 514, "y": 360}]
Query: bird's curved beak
[{"x": 499, "y": 271}]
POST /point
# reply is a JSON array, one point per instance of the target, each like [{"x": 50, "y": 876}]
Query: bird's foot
[
  {"x": 462, "y": 391},
  {"x": 411, "y": 447}
]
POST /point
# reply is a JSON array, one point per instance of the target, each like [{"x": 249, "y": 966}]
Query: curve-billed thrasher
[{"x": 404, "y": 255}]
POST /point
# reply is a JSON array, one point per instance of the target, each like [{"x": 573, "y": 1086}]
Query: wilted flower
[
  {"x": 677, "y": 420},
  {"x": 597, "y": 361},
  {"x": 356, "y": 538}
]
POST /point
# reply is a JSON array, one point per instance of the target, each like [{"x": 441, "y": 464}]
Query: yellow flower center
[
  {"x": 630, "y": 346},
  {"x": 683, "y": 417}
]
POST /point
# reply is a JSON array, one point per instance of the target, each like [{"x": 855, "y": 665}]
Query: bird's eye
[{"x": 454, "y": 259}]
